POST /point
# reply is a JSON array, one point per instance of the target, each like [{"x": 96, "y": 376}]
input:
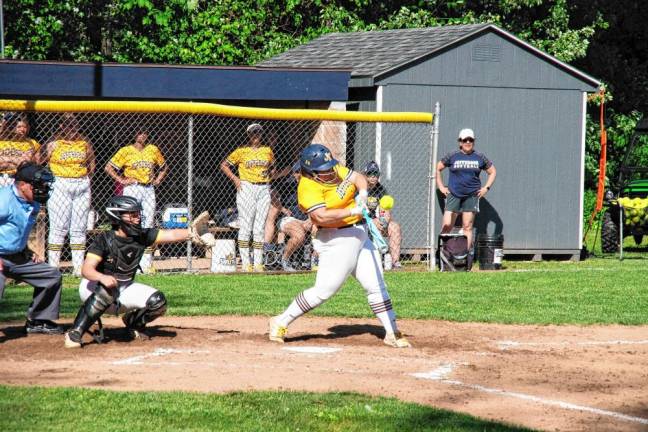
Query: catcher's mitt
[{"x": 199, "y": 230}]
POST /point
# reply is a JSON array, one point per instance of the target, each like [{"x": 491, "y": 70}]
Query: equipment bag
[{"x": 454, "y": 255}]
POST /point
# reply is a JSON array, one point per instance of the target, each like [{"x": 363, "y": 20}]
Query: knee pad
[{"x": 156, "y": 306}]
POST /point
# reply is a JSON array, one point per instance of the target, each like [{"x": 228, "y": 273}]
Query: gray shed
[{"x": 526, "y": 107}]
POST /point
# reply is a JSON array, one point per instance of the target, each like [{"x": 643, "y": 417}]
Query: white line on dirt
[
  {"x": 312, "y": 350},
  {"x": 136, "y": 360},
  {"x": 504, "y": 345},
  {"x": 439, "y": 374}
]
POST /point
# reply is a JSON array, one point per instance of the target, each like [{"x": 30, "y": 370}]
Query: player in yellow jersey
[
  {"x": 139, "y": 167},
  {"x": 334, "y": 198},
  {"x": 71, "y": 158},
  {"x": 15, "y": 147},
  {"x": 254, "y": 162}
]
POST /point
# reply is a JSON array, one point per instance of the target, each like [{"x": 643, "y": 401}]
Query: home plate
[{"x": 313, "y": 350}]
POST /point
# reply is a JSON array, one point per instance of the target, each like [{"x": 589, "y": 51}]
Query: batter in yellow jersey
[
  {"x": 312, "y": 195},
  {"x": 326, "y": 192},
  {"x": 253, "y": 163},
  {"x": 69, "y": 159},
  {"x": 14, "y": 152},
  {"x": 138, "y": 164}
]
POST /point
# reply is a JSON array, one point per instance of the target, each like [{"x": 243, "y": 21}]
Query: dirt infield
[{"x": 564, "y": 378}]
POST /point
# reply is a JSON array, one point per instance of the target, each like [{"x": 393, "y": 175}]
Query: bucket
[
  {"x": 223, "y": 256},
  {"x": 490, "y": 251}
]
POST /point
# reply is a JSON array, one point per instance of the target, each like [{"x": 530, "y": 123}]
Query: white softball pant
[
  {"x": 131, "y": 296},
  {"x": 68, "y": 209},
  {"x": 145, "y": 194},
  {"x": 343, "y": 252},
  {"x": 253, "y": 203}
]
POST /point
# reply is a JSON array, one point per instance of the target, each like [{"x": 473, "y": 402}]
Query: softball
[{"x": 386, "y": 202}]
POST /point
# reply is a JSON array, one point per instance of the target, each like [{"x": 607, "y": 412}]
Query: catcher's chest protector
[{"x": 123, "y": 257}]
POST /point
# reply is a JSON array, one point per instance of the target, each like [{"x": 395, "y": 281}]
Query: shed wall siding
[{"x": 533, "y": 137}]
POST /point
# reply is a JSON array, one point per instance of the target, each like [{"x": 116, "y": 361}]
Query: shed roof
[{"x": 375, "y": 54}]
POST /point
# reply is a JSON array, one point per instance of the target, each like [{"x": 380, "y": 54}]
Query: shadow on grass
[{"x": 343, "y": 331}]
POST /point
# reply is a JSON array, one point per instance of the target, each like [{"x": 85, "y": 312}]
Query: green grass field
[
  {"x": 598, "y": 290},
  {"x": 595, "y": 291},
  {"x": 68, "y": 409}
]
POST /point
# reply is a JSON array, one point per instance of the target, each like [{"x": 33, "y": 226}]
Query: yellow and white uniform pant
[
  {"x": 253, "y": 203},
  {"x": 145, "y": 194},
  {"x": 343, "y": 252},
  {"x": 68, "y": 208}
]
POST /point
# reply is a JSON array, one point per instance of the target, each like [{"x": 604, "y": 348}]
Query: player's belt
[
  {"x": 257, "y": 183},
  {"x": 359, "y": 223},
  {"x": 143, "y": 184},
  {"x": 10, "y": 175}
]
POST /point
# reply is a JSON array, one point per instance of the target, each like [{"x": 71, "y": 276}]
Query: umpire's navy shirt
[
  {"x": 17, "y": 217},
  {"x": 464, "y": 172}
]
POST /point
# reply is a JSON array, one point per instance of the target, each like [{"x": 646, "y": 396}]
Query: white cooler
[{"x": 223, "y": 256}]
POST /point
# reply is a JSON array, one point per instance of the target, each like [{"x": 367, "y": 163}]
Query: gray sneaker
[{"x": 43, "y": 326}]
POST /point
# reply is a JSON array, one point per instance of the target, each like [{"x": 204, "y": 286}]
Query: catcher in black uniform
[{"x": 110, "y": 266}]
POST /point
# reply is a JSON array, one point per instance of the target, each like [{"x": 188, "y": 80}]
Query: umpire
[{"x": 19, "y": 206}]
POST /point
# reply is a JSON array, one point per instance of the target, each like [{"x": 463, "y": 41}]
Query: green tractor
[{"x": 627, "y": 209}]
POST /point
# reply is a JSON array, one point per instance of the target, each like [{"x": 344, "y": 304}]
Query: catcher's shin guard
[
  {"x": 89, "y": 313},
  {"x": 137, "y": 319}
]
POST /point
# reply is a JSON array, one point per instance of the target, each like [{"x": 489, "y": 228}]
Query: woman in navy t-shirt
[{"x": 464, "y": 187}]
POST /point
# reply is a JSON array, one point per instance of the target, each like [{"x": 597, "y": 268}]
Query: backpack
[{"x": 454, "y": 254}]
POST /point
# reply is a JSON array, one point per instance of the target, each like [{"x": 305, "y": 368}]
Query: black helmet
[
  {"x": 39, "y": 177},
  {"x": 372, "y": 168},
  {"x": 119, "y": 205}
]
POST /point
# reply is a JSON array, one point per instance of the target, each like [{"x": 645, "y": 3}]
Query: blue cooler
[{"x": 175, "y": 217}]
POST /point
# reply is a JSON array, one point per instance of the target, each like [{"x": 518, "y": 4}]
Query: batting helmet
[
  {"x": 372, "y": 168},
  {"x": 316, "y": 158}
]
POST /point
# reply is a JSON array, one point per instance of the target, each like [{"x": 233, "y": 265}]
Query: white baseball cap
[
  {"x": 466, "y": 133},
  {"x": 254, "y": 127}
]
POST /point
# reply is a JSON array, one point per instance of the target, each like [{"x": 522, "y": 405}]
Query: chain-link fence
[{"x": 240, "y": 168}]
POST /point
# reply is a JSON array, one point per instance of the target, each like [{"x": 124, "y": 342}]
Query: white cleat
[
  {"x": 73, "y": 341},
  {"x": 277, "y": 331},
  {"x": 396, "y": 340}
]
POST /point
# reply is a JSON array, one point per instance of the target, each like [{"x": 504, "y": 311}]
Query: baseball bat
[{"x": 376, "y": 238}]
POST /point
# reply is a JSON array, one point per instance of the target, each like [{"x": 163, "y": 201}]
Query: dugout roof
[{"x": 24, "y": 79}]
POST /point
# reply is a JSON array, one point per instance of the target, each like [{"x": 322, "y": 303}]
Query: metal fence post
[
  {"x": 432, "y": 187},
  {"x": 190, "y": 140}
]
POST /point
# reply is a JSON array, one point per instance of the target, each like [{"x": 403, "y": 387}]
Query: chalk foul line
[
  {"x": 137, "y": 360},
  {"x": 504, "y": 345},
  {"x": 439, "y": 374}
]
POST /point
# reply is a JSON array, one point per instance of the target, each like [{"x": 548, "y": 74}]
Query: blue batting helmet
[
  {"x": 372, "y": 168},
  {"x": 316, "y": 158}
]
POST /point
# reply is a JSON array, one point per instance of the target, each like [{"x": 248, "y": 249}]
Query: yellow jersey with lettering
[
  {"x": 69, "y": 159},
  {"x": 253, "y": 163},
  {"x": 312, "y": 195},
  {"x": 138, "y": 164},
  {"x": 18, "y": 151}
]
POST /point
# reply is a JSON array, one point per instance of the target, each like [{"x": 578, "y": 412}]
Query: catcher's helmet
[
  {"x": 372, "y": 168},
  {"x": 121, "y": 204},
  {"x": 316, "y": 158}
]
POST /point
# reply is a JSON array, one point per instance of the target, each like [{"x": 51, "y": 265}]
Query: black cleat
[{"x": 43, "y": 326}]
